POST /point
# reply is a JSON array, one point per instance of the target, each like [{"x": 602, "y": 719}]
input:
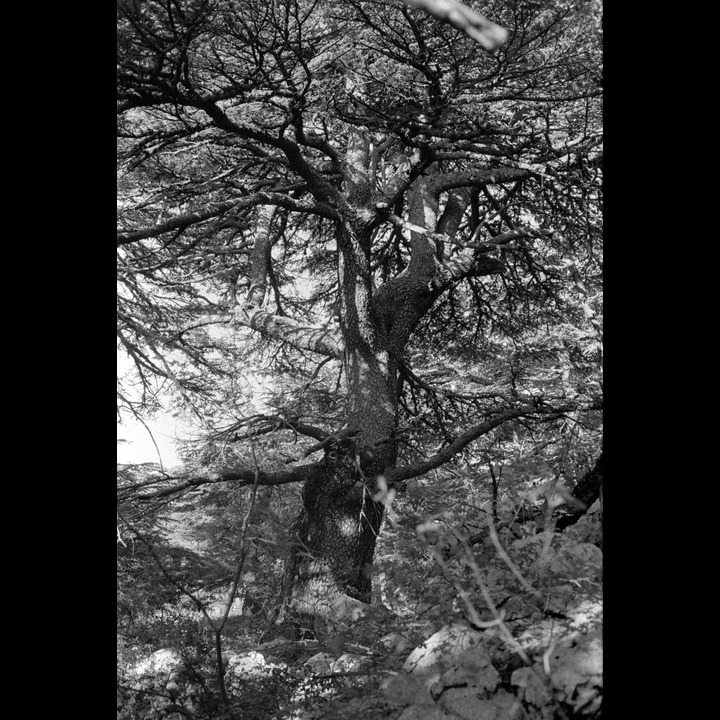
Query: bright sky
[{"x": 139, "y": 447}]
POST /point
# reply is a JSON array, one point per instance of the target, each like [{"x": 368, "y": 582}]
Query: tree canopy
[
  {"x": 360, "y": 245},
  {"x": 246, "y": 137}
]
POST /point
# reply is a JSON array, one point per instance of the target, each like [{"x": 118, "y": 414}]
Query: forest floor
[{"x": 430, "y": 646}]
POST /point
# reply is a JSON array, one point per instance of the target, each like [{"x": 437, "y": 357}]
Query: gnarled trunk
[
  {"x": 335, "y": 535},
  {"x": 336, "y": 531}
]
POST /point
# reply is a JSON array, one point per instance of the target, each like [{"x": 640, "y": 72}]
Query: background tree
[{"x": 403, "y": 227}]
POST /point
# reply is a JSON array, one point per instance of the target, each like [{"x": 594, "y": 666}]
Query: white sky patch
[{"x": 138, "y": 446}]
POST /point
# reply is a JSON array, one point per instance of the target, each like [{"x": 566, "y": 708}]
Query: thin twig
[
  {"x": 119, "y": 537},
  {"x": 546, "y": 657}
]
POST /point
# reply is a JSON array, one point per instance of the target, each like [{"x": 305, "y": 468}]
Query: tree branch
[
  {"x": 181, "y": 222},
  {"x": 322, "y": 340},
  {"x": 484, "y": 176},
  {"x": 484, "y": 32},
  {"x": 449, "y": 451},
  {"x": 270, "y": 423},
  {"x": 175, "y": 484},
  {"x": 494, "y": 242}
]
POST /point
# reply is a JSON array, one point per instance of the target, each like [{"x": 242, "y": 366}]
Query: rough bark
[{"x": 334, "y": 537}]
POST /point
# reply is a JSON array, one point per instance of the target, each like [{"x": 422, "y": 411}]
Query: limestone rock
[
  {"x": 442, "y": 648},
  {"x": 576, "y": 671},
  {"x": 249, "y": 665},
  {"x": 320, "y": 663},
  {"x": 473, "y": 668},
  {"x": 404, "y": 689},
  {"x": 395, "y": 643},
  {"x": 167, "y": 660}
]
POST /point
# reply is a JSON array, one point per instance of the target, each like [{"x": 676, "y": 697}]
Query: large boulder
[
  {"x": 320, "y": 664},
  {"x": 216, "y": 609},
  {"x": 348, "y": 609},
  {"x": 424, "y": 712},
  {"x": 571, "y": 676}
]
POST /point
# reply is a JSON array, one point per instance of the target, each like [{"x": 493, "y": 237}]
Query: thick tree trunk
[
  {"x": 335, "y": 534},
  {"x": 334, "y": 537}
]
